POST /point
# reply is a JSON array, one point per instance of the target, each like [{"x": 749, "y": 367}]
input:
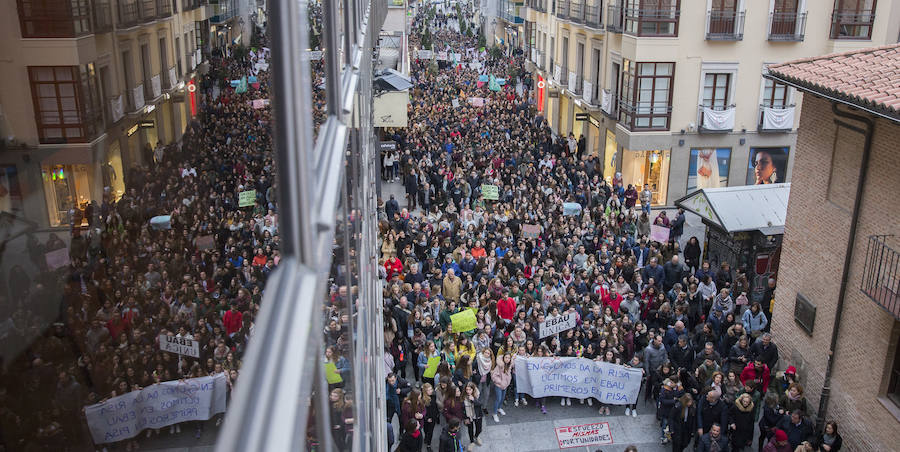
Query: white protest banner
[
  {"x": 557, "y": 324},
  {"x": 455, "y": 103},
  {"x": 659, "y": 233},
  {"x": 441, "y": 56},
  {"x": 179, "y": 345},
  {"x": 584, "y": 435},
  {"x": 156, "y": 406},
  {"x": 426, "y": 54},
  {"x": 578, "y": 378}
]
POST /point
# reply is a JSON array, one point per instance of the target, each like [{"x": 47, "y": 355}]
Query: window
[
  {"x": 786, "y": 22},
  {"x": 648, "y": 91},
  {"x": 54, "y": 18},
  {"x": 715, "y": 91},
  {"x": 652, "y": 17},
  {"x": 852, "y": 19},
  {"x": 775, "y": 95},
  {"x": 64, "y": 104}
]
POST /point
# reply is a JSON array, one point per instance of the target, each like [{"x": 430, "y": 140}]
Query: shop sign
[
  {"x": 581, "y": 116},
  {"x": 149, "y": 124},
  {"x": 133, "y": 129}
]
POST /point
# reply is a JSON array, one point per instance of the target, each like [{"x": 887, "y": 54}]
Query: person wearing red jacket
[
  {"x": 506, "y": 307},
  {"x": 232, "y": 320},
  {"x": 757, "y": 370},
  {"x": 613, "y": 300},
  {"x": 393, "y": 267}
]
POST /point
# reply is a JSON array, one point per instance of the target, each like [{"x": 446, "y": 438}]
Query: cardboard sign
[
  {"x": 331, "y": 374},
  {"x": 431, "y": 369},
  {"x": 205, "y": 242},
  {"x": 57, "y": 258},
  {"x": 247, "y": 198},
  {"x": 530, "y": 231},
  {"x": 463, "y": 321},
  {"x": 557, "y": 325},
  {"x": 584, "y": 435},
  {"x": 490, "y": 192},
  {"x": 179, "y": 345},
  {"x": 659, "y": 233}
]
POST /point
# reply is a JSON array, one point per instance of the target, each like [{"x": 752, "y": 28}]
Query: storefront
[
  {"x": 648, "y": 167},
  {"x": 611, "y": 149}
]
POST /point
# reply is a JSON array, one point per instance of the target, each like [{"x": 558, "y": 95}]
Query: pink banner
[{"x": 659, "y": 233}]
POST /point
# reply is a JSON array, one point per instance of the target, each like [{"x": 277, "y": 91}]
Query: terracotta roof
[{"x": 867, "y": 78}]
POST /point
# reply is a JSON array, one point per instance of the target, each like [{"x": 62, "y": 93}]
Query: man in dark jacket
[
  {"x": 678, "y": 225},
  {"x": 716, "y": 437},
  {"x": 682, "y": 354},
  {"x": 655, "y": 271},
  {"x": 712, "y": 411},
  {"x": 797, "y": 427},
  {"x": 673, "y": 273},
  {"x": 765, "y": 350},
  {"x": 450, "y": 441}
]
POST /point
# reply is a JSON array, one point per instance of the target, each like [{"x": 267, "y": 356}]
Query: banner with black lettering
[
  {"x": 156, "y": 406},
  {"x": 557, "y": 324},
  {"x": 578, "y": 378}
]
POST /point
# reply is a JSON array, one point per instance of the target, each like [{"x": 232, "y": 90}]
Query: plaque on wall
[{"x": 804, "y": 314}]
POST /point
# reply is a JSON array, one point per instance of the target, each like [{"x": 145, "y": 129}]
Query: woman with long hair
[
  {"x": 473, "y": 413},
  {"x": 341, "y": 419},
  {"x": 682, "y": 422},
  {"x": 484, "y": 363},
  {"x": 501, "y": 375},
  {"x": 413, "y": 408}
]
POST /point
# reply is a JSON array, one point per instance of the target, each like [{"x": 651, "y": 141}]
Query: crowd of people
[
  {"x": 710, "y": 366},
  {"x": 197, "y": 275}
]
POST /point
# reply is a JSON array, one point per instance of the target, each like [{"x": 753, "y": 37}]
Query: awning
[
  {"x": 747, "y": 208},
  {"x": 391, "y": 80}
]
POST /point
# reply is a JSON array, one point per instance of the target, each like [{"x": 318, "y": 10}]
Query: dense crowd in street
[
  {"x": 710, "y": 367},
  {"x": 199, "y": 274}
]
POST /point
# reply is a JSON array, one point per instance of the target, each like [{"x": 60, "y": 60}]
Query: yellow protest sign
[
  {"x": 463, "y": 321},
  {"x": 331, "y": 373},
  {"x": 431, "y": 369}
]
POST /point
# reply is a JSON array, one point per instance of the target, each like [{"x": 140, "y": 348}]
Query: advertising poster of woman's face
[{"x": 767, "y": 166}]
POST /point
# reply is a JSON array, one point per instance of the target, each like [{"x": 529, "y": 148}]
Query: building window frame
[
  {"x": 68, "y": 97},
  {"x": 855, "y": 18},
  {"x": 633, "y": 110},
  {"x": 652, "y": 18},
  {"x": 54, "y": 18}
]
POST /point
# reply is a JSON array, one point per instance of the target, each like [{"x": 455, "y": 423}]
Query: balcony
[
  {"x": 102, "y": 16},
  {"x": 852, "y": 24},
  {"x": 163, "y": 8},
  {"x": 652, "y": 22},
  {"x": 564, "y": 77},
  {"x": 592, "y": 17},
  {"x": 67, "y": 19},
  {"x": 172, "y": 80},
  {"x": 716, "y": 119},
  {"x": 881, "y": 274},
  {"x": 537, "y": 5},
  {"x": 614, "y": 18},
  {"x": 190, "y": 5},
  {"x": 576, "y": 12},
  {"x": 116, "y": 108},
  {"x": 587, "y": 92},
  {"x": 608, "y": 104},
  {"x": 148, "y": 10},
  {"x": 644, "y": 116},
  {"x": 725, "y": 25},
  {"x": 775, "y": 119},
  {"x": 129, "y": 13},
  {"x": 148, "y": 90},
  {"x": 787, "y": 26},
  {"x": 136, "y": 98},
  {"x": 577, "y": 85},
  {"x": 562, "y": 9}
]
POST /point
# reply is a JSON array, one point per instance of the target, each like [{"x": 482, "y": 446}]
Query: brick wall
[{"x": 816, "y": 234}]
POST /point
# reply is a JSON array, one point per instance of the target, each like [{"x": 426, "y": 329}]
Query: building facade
[
  {"x": 669, "y": 92},
  {"x": 837, "y": 303},
  {"x": 110, "y": 80}
]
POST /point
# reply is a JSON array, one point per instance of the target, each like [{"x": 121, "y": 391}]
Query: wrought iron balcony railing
[
  {"x": 852, "y": 24},
  {"x": 725, "y": 25},
  {"x": 787, "y": 26},
  {"x": 881, "y": 274}
]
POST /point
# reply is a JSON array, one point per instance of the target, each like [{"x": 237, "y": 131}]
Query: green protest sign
[
  {"x": 331, "y": 374},
  {"x": 247, "y": 198},
  {"x": 431, "y": 369},
  {"x": 490, "y": 192},
  {"x": 463, "y": 321}
]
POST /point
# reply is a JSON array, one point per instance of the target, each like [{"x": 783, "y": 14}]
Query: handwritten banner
[
  {"x": 179, "y": 345},
  {"x": 247, "y": 198},
  {"x": 557, "y": 324},
  {"x": 57, "y": 258},
  {"x": 584, "y": 435},
  {"x": 578, "y": 378},
  {"x": 490, "y": 192},
  {"x": 530, "y": 231},
  {"x": 156, "y": 406}
]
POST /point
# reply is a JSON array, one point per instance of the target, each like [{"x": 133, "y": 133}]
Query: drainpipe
[{"x": 869, "y": 132}]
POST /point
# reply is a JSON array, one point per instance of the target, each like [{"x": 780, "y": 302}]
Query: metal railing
[
  {"x": 189, "y": 5},
  {"x": 564, "y": 76},
  {"x": 614, "y": 18},
  {"x": 579, "y": 85},
  {"x": 593, "y": 17},
  {"x": 576, "y": 12},
  {"x": 643, "y": 115},
  {"x": 725, "y": 25},
  {"x": 102, "y": 16},
  {"x": 163, "y": 8},
  {"x": 129, "y": 13},
  {"x": 701, "y": 117},
  {"x": 881, "y": 274},
  {"x": 852, "y": 24},
  {"x": 652, "y": 22},
  {"x": 787, "y": 26},
  {"x": 562, "y": 9}
]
